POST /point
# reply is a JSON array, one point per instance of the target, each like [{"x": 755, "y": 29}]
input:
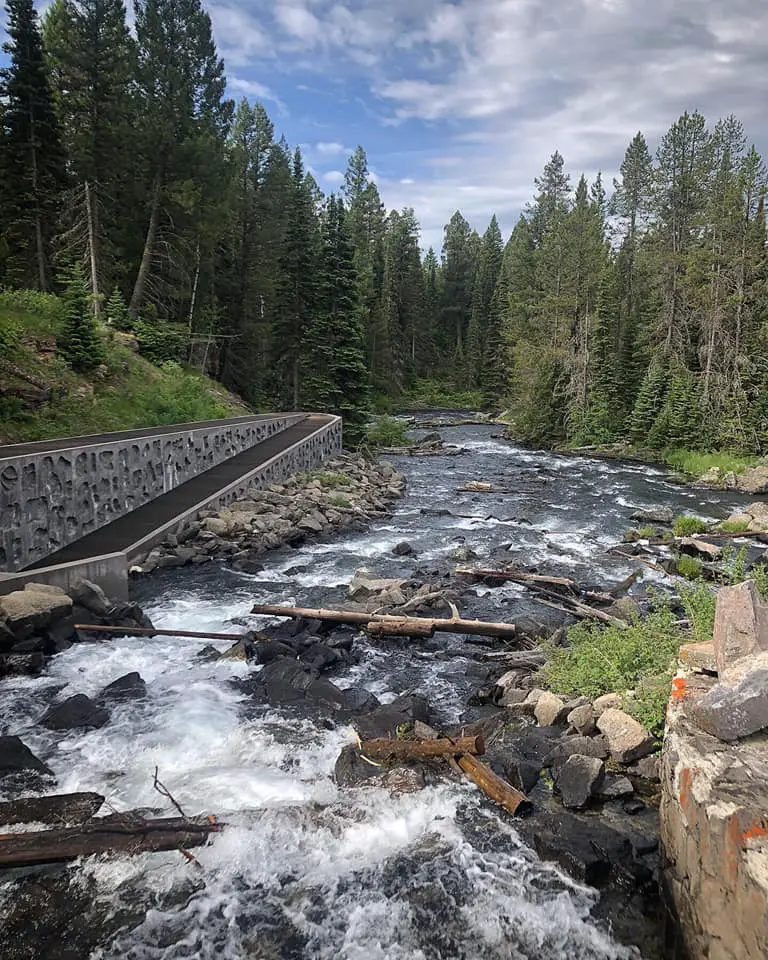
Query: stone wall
[
  {"x": 714, "y": 807},
  {"x": 52, "y": 498}
]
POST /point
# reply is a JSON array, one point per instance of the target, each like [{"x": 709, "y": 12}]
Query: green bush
[
  {"x": 388, "y": 432},
  {"x": 433, "y": 394},
  {"x": 734, "y": 526},
  {"x": 689, "y": 567},
  {"x": 610, "y": 659},
  {"x": 648, "y": 702},
  {"x": 686, "y": 526},
  {"x": 11, "y": 332},
  {"x": 161, "y": 342},
  {"x": 339, "y": 500},
  {"x": 699, "y": 603},
  {"x": 44, "y": 305},
  {"x": 179, "y": 399}
]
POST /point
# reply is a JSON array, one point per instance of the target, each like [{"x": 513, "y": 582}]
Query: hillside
[{"x": 41, "y": 396}]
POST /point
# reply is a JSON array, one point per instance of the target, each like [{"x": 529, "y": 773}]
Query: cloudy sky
[{"x": 459, "y": 103}]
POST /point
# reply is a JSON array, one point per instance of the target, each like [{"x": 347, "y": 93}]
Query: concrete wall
[{"x": 53, "y": 497}]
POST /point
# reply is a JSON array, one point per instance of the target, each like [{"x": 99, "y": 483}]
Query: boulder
[
  {"x": 311, "y": 524},
  {"x": 699, "y": 657},
  {"x": 741, "y": 625},
  {"x": 614, "y": 787},
  {"x": 550, "y": 710},
  {"x": 759, "y": 514},
  {"x": 647, "y": 769},
  {"x": 216, "y": 526},
  {"x": 57, "y": 810},
  {"x": 754, "y": 480},
  {"x": 274, "y": 650},
  {"x": 385, "y": 719},
  {"x": 567, "y": 747},
  {"x": 694, "y": 547},
  {"x": 583, "y": 719},
  {"x": 320, "y": 656},
  {"x": 608, "y": 701},
  {"x": 31, "y": 611},
  {"x": 131, "y": 686},
  {"x": 578, "y": 779},
  {"x": 364, "y": 585},
  {"x": 464, "y": 554},
  {"x": 16, "y": 757},
  {"x": 286, "y": 681},
  {"x": 352, "y": 771},
  {"x": 75, "y": 713},
  {"x": 403, "y": 549},
  {"x": 626, "y": 609},
  {"x": 655, "y": 515},
  {"x": 90, "y": 596},
  {"x": 628, "y": 740},
  {"x": 737, "y": 707}
]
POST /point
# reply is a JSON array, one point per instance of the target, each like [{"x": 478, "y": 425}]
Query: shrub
[
  {"x": 689, "y": 567},
  {"x": 11, "y": 332},
  {"x": 695, "y": 464},
  {"x": 79, "y": 343},
  {"x": 32, "y": 301},
  {"x": 686, "y": 526},
  {"x": 161, "y": 342},
  {"x": 735, "y": 526},
  {"x": 648, "y": 703},
  {"x": 117, "y": 312},
  {"x": 388, "y": 432},
  {"x": 179, "y": 399},
  {"x": 699, "y": 603},
  {"x": 432, "y": 394},
  {"x": 339, "y": 500},
  {"x": 647, "y": 533},
  {"x": 610, "y": 659},
  {"x": 333, "y": 479}
]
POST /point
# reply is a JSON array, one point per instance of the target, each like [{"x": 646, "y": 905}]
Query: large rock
[
  {"x": 758, "y": 513},
  {"x": 16, "y": 757},
  {"x": 578, "y": 779},
  {"x": 583, "y": 719},
  {"x": 31, "y": 610},
  {"x": 628, "y": 740},
  {"x": 385, "y": 720},
  {"x": 754, "y": 480},
  {"x": 741, "y": 625},
  {"x": 75, "y": 713},
  {"x": 655, "y": 515},
  {"x": 128, "y": 687},
  {"x": 364, "y": 585},
  {"x": 57, "y": 810},
  {"x": 566, "y": 747},
  {"x": 737, "y": 707},
  {"x": 608, "y": 701},
  {"x": 292, "y": 682},
  {"x": 90, "y": 596},
  {"x": 550, "y": 710}
]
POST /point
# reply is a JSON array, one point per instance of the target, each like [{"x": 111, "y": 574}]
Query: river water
[{"x": 305, "y": 870}]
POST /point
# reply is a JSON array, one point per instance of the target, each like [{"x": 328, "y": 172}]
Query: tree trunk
[
  {"x": 421, "y": 749},
  {"x": 90, "y": 213},
  {"x": 139, "y": 289}
]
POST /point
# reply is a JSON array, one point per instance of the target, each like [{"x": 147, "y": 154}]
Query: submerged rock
[
  {"x": 16, "y": 757},
  {"x": 384, "y": 720},
  {"x": 74, "y": 713},
  {"x": 128, "y": 687}
]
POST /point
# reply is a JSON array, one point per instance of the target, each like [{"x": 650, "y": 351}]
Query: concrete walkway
[{"x": 122, "y": 533}]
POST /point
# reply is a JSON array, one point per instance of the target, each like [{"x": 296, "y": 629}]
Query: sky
[{"x": 459, "y": 103}]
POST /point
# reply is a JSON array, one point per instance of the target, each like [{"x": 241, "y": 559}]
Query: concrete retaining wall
[{"x": 51, "y": 498}]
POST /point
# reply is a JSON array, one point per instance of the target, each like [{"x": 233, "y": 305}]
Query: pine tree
[
  {"x": 459, "y": 265},
  {"x": 33, "y": 162},
  {"x": 80, "y": 343},
  {"x": 336, "y": 377},
  {"x": 650, "y": 401},
  {"x": 117, "y": 312},
  {"x": 604, "y": 414},
  {"x": 484, "y": 331}
]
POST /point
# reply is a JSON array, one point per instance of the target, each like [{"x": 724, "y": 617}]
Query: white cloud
[
  {"x": 331, "y": 149},
  {"x": 333, "y": 177},
  {"x": 252, "y": 88}
]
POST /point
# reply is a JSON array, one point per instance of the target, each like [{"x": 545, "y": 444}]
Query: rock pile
[
  {"x": 348, "y": 493},
  {"x": 754, "y": 480},
  {"x": 39, "y": 621}
]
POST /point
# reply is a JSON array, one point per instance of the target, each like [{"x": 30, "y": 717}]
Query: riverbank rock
[
  {"x": 16, "y": 757},
  {"x": 578, "y": 780},
  {"x": 741, "y": 625},
  {"x": 737, "y": 706},
  {"x": 384, "y": 721},
  {"x": 550, "y": 710},
  {"x": 665, "y": 515},
  {"x": 129, "y": 687},
  {"x": 33, "y": 610},
  {"x": 627, "y": 739}
]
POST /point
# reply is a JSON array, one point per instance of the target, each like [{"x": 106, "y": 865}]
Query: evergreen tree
[
  {"x": 336, "y": 377},
  {"x": 650, "y": 401},
  {"x": 459, "y": 264},
  {"x": 117, "y": 312},
  {"x": 484, "y": 332},
  {"x": 33, "y": 161},
  {"x": 80, "y": 343}
]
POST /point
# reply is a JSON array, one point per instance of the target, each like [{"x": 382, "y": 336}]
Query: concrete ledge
[{"x": 110, "y": 572}]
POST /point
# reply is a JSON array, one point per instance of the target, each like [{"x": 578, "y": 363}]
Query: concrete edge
[{"x": 110, "y": 571}]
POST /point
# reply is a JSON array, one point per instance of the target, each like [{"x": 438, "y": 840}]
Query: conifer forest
[{"x": 132, "y": 187}]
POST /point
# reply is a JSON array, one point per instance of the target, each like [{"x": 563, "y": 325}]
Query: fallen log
[
  {"x": 493, "y": 786},
  {"x": 515, "y": 576},
  {"x": 120, "y": 833},
  {"x": 582, "y": 612},
  {"x": 185, "y": 634},
  {"x": 377, "y": 628},
  {"x": 473, "y": 627},
  {"x": 648, "y": 563},
  {"x": 421, "y": 749}
]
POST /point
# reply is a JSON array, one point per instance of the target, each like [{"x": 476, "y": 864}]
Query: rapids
[{"x": 305, "y": 870}]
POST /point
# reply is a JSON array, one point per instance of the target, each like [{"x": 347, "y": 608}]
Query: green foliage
[
  {"x": 387, "y": 432},
  {"x": 695, "y": 464},
  {"x": 117, "y": 312},
  {"x": 699, "y": 603},
  {"x": 80, "y": 342},
  {"x": 437, "y": 395},
  {"x": 734, "y": 526},
  {"x": 339, "y": 500},
  {"x": 610, "y": 659},
  {"x": 648, "y": 702},
  {"x": 45, "y": 308},
  {"x": 11, "y": 332},
  {"x": 161, "y": 342},
  {"x": 687, "y": 526},
  {"x": 689, "y": 567},
  {"x": 326, "y": 478},
  {"x": 647, "y": 533},
  {"x": 177, "y": 398}
]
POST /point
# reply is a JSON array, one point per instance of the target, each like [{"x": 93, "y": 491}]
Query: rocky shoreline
[{"x": 346, "y": 495}]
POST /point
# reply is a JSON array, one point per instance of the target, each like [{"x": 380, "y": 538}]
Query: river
[{"x": 305, "y": 870}]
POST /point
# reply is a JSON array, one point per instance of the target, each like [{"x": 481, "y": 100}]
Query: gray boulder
[
  {"x": 578, "y": 779},
  {"x": 78, "y": 712},
  {"x": 129, "y": 687},
  {"x": 33, "y": 610},
  {"x": 628, "y": 740},
  {"x": 16, "y": 757}
]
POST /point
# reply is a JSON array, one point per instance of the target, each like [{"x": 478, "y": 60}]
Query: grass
[
  {"x": 327, "y": 479},
  {"x": 129, "y": 392},
  {"x": 695, "y": 464},
  {"x": 647, "y": 533},
  {"x": 686, "y": 525},
  {"x": 689, "y": 567},
  {"x": 734, "y": 526},
  {"x": 339, "y": 500},
  {"x": 387, "y": 432}
]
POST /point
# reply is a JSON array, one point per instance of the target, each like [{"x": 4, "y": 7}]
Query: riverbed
[{"x": 305, "y": 870}]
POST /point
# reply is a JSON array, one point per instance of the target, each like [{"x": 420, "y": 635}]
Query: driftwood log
[
  {"x": 421, "y": 749},
  {"x": 147, "y": 632},
  {"x": 492, "y": 785},
  {"x": 120, "y": 833},
  {"x": 473, "y": 627},
  {"x": 515, "y": 576}
]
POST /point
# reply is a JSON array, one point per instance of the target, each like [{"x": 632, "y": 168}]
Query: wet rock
[
  {"x": 274, "y": 650},
  {"x": 737, "y": 708},
  {"x": 550, "y": 710},
  {"x": 321, "y": 657},
  {"x": 404, "y": 779},
  {"x": 614, "y": 787},
  {"x": 128, "y": 687},
  {"x": 359, "y": 700},
  {"x": 385, "y": 720},
  {"x": 583, "y": 719},
  {"x": 403, "y": 549},
  {"x": 566, "y": 747},
  {"x": 628, "y": 740},
  {"x": 286, "y": 681},
  {"x": 90, "y": 596},
  {"x": 30, "y": 611},
  {"x": 578, "y": 778},
  {"x": 75, "y": 713},
  {"x": 16, "y": 757},
  {"x": 655, "y": 515},
  {"x": 56, "y": 810},
  {"x": 352, "y": 771},
  {"x": 609, "y": 701},
  {"x": 464, "y": 554},
  {"x": 364, "y": 585},
  {"x": 741, "y": 625},
  {"x": 128, "y": 615},
  {"x": 431, "y": 438},
  {"x": 633, "y": 807},
  {"x": 208, "y": 652},
  {"x": 523, "y": 774},
  {"x": 61, "y": 635},
  {"x": 7, "y": 639}
]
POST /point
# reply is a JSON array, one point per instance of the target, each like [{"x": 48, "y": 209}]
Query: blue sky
[{"x": 459, "y": 103}]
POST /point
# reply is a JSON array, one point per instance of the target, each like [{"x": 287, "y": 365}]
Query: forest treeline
[{"x": 129, "y": 181}]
